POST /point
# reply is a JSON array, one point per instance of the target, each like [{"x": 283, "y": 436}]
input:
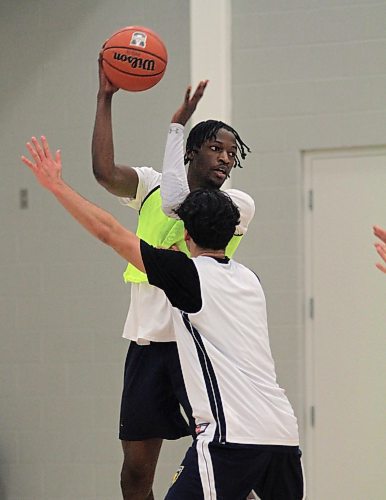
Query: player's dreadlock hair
[
  {"x": 210, "y": 217},
  {"x": 206, "y": 131}
]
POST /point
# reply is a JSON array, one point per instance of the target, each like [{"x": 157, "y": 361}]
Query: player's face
[{"x": 211, "y": 164}]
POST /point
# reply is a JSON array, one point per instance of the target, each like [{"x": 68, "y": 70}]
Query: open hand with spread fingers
[
  {"x": 380, "y": 247},
  {"x": 46, "y": 168},
  {"x": 189, "y": 105}
]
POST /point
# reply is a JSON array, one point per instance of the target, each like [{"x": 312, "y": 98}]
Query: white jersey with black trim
[{"x": 226, "y": 361}]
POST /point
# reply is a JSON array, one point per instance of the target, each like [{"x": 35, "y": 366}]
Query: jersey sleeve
[
  {"x": 246, "y": 205},
  {"x": 148, "y": 179},
  {"x": 175, "y": 274},
  {"x": 174, "y": 184}
]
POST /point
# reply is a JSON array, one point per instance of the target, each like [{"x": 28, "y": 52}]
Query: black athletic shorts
[
  {"x": 231, "y": 472},
  {"x": 153, "y": 391}
]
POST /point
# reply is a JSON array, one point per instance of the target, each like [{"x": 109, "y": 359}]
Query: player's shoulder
[
  {"x": 148, "y": 175},
  {"x": 148, "y": 180},
  {"x": 241, "y": 198},
  {"x": 165, "y": 254},
  {"x": 246, "y": 206},
  {"x": 244, "y": 270}
]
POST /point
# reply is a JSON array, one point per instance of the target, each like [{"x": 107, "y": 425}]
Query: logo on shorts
[
  {"x": 177, "y": 474},
  {"x": 138, "y": 38},
  {"x": 200, "y": 428}
]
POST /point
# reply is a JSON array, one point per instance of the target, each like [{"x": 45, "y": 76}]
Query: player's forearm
[
  {"x": 174, "y": 184},
  {"x": 119, "y": 180},
  {"x": 102, "y": 141}
]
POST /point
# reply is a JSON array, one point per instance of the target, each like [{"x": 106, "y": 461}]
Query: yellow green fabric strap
[{"x": 161, "y": 231}]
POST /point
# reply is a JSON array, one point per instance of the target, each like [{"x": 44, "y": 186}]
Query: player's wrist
[
  {"x": 105, "y": 95},
  {"x": 176, "y": 127},
  {"x": 58, "y": 187}
]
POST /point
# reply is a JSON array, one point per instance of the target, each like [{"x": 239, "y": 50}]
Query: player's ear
[
  {"x": 189, "y": 155},
  {"x": 188, "y": 239}
]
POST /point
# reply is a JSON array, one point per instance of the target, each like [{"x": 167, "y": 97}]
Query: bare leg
[{"x": 138, "y": 469}]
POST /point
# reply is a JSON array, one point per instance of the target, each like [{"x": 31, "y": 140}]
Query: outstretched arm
[
  {"x": 174, "y": 184},
  {"x": 48, "y": 171},
  {"x": 119, "y": 180},
  {"x": 380, "y": 247}
]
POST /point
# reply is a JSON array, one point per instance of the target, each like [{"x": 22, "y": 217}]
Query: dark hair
[
  {"x": 210, "y": 217},
  {"x": 206, "y": 131}
]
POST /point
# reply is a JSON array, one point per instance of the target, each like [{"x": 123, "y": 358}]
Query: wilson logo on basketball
[{"x": 136, "y": 62}]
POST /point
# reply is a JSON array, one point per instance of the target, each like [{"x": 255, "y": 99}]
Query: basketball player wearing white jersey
[{"x": 246, "y": 431}]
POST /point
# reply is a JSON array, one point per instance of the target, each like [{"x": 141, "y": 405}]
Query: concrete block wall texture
[
  {"x": 62, "y": 299},
  {"x": 306, "y": 75}
]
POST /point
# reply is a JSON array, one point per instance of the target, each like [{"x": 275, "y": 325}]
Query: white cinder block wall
[
  {"x": 62, "y": 299},
  {"x": 305, "y": 75}
]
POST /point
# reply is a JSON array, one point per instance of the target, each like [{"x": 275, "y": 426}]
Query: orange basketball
[{"x": 134, "y": 58}]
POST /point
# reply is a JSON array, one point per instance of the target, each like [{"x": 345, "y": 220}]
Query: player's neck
[{"x": 198, "y": 252}]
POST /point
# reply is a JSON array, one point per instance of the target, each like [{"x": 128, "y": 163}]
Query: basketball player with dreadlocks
[
  {"x": 212, "y": 151},
  {"x": 153, "y": 385},
  {"x": 247, "y": 433}
]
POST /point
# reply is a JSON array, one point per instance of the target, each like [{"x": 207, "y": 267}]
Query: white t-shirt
[
  {"x": 149, "y": 318},
  {"x": 220, "y": 321}
]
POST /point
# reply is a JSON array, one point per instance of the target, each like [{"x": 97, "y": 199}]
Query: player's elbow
[
  {"x": 169, "y": 205},
  {"x": 105, "y": 229},
  {"x": 97, "y": 173},
  {"x": 103, "y": 169},
  {"x": 105, "y": 235},
  {"x": 168, "y": 209},
  {"x": 101, "y": 176}
]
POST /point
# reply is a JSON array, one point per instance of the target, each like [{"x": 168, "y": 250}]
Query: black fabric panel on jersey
[
  {"x": 211, "y": 384},
  {"x": 175, "y": 274}
]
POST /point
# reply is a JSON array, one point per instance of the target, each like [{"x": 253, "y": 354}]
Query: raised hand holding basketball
[
  {"x": 134, "y": 58},
  {"x": 189, "y": 105},
  {"x": 105, "y": 86},
  {"x": 47, "y": 170}
]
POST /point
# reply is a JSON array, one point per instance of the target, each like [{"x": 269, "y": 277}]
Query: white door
[{"x": 345, "y": 326}]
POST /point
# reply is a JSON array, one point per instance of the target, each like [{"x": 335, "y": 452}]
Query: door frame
[{"x": 308, "y": 346}]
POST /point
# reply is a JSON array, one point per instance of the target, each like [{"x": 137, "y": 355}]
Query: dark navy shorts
[
  {"x": 231, "y": 472},
  {"x": 153, "y": 391}
]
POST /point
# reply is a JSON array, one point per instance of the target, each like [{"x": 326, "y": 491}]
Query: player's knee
[
  {"x": 136, "y": 476},
  {"x": 138, "y": 468}
]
